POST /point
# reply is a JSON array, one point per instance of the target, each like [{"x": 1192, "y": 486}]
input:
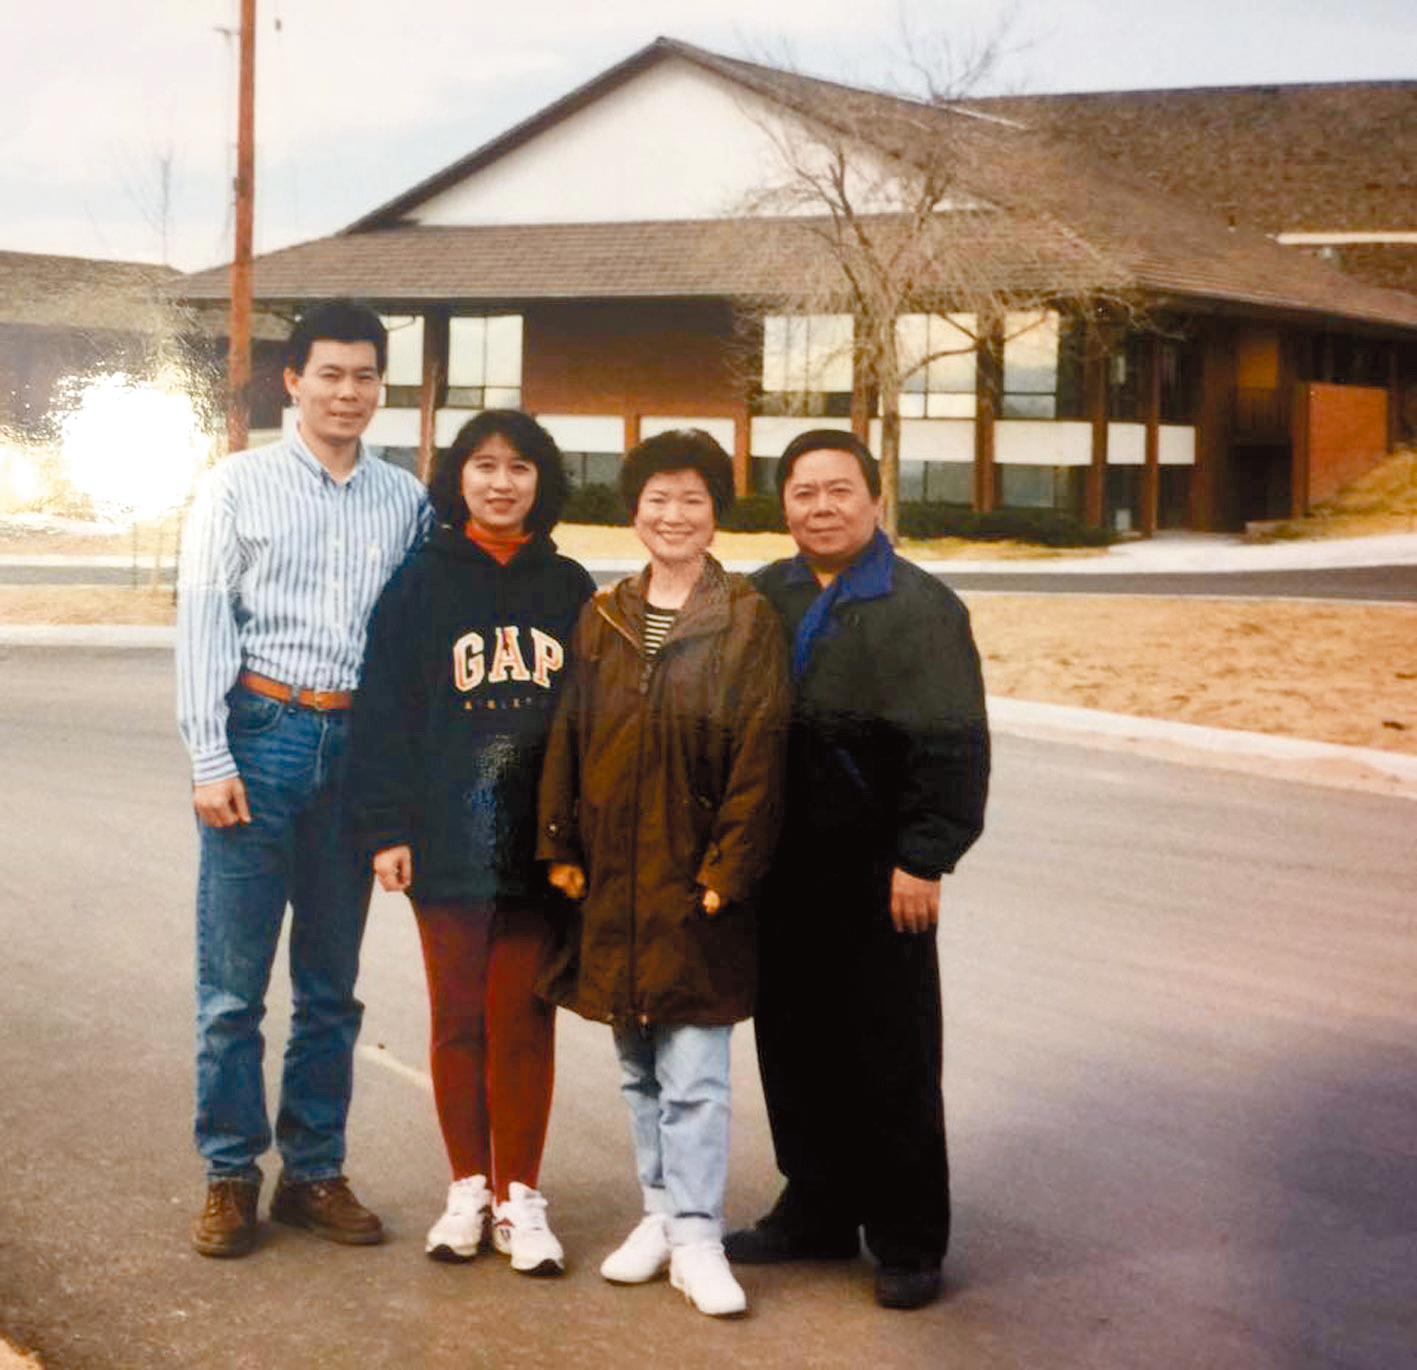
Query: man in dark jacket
[{"x": 887, "y": 774}]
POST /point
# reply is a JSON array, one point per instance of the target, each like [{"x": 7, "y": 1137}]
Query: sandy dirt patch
[
  {"x": 1383, "y": 500},
  {"x": 1339, "y": 673},
  {"x": 65, "y": 604}
]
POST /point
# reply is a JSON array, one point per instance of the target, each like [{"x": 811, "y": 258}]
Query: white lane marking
[{"x": 384, "y": 1057}]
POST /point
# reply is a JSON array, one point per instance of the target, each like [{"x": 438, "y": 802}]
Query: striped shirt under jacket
[{"x": 281, "y": 566}]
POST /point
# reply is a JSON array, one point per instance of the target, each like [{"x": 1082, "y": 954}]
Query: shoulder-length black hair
[{"x": 531, "y": 440}]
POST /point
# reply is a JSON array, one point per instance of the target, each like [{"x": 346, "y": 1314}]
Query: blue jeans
[
  {"x": 676, "y": 1083},
  {"x": 297, "y": 849}
]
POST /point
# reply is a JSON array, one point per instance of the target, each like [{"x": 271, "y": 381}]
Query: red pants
[{"x": 493, "y": 1043}]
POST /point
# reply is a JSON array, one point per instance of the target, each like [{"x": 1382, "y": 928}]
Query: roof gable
[{"x": 672, "y": 141}]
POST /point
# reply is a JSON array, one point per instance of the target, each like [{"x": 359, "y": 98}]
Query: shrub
[
  {"x": 595, "y": 504},
  {"x": 1045, "y": 527},
  {"x": 754, "y": 514}
]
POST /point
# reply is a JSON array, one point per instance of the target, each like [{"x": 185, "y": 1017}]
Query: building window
[
  {"x": 403, "y": 375},
  {"x": 1177, "y": 359},
  {"x": 593, "y": 468},
  {"x": 1060, "y": 488},
  {"x": 1126, "y": 386},
  {"x": 1043, "y": 355},
  {"x": 485, "y": 362},
  {"x": 807, "y": 365},
  {"x": 1125, "y": 371},
  {"x": 937, "y": 358}
]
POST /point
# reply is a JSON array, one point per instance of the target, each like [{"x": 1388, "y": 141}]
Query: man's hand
[
  {"x": 570, "y": 880},
  {"x": 915, "y": 903},
  {"x": 393, "y": 867},
  {"x": 221, "y": 804},
  {"x": 711, "y": 902}
]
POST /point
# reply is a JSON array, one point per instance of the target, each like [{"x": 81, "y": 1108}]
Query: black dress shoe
[
  {"x": 770, "y": 1243},
  {"x": 907, "y": 1286}
]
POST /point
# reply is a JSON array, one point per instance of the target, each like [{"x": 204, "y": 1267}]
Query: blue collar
[{"x": 870, "y": 576}]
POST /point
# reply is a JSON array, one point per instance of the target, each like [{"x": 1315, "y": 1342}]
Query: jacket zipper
[{"x": 646, "y": 668}]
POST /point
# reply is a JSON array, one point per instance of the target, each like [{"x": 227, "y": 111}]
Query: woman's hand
[
  {"x": 570, "y": 880},
  {"x": 711, "y": 902},
  {"x": 393, "y": 867}
]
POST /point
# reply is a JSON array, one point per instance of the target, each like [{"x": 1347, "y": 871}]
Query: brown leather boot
[
  {"x": 327, "y": 1208},
  {"x": 227, "y": 1224}
]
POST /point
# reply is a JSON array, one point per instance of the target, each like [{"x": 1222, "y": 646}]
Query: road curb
[{"x": 1290, "y": 758}]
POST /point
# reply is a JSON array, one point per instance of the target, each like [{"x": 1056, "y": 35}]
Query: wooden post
[
  {"x": 1300, "y": 425},
  {"x": 1151, "y": 472},
  {"x": 742, "y": 449},
  {"x": 433, "y": 385},
  {"x": 1210, "y": 477},
  {"x": 238, "y": 357},
  {"x": 1394, "y": 398},
  {"x": 988, "y": 384},
  {"x": 1095, "y": 385}
]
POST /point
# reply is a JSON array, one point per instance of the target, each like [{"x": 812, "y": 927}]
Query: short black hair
[
  {"x": 531, "y": 440},
  {"x": 680, "y": 449},
  {"x": 336, "y": 321},
  {"x": 830, "y": 440}
]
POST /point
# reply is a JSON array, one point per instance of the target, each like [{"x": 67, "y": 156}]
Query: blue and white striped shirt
[{"x": 281, "y": 566}]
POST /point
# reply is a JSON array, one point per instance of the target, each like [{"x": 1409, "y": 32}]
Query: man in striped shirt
[{"x": 286, "y": 550}]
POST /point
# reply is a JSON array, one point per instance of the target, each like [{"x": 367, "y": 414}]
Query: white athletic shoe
[
  {"x": 458, "y": 1234},
  {"x": 699, "y": 1270},
  {"x": 519, "y": 1230},
  {"x": 643, "y": 1255}
]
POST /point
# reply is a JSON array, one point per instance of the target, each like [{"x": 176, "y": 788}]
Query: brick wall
[
  {"x": 1341, "y": 432},
  {"x": 630, "y": 358}
]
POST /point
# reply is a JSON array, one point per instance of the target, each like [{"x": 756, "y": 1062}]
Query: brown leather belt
[{"x": 323, "y": 701}]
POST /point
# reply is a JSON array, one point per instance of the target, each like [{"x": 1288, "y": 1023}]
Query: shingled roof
[
  {"x": 45, "y": 291},
  {"x": 1321, "y": 158},
  {"x": 1047, "y": 207}
]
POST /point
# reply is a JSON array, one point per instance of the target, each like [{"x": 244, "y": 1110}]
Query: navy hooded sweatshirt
[{"x": 464, "y": 664}]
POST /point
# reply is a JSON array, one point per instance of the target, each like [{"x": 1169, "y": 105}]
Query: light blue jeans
[
  {"x": 675, "y": 1081},
  {"x": 297, "y": 849}
]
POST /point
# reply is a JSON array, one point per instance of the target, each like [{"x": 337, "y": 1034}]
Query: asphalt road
[
  {"x": 1180, "y": 1076},
  {"x": 1396, "y": 583}
]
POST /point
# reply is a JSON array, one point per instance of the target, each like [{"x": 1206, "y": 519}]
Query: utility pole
[{"x": 238, "y": 357}]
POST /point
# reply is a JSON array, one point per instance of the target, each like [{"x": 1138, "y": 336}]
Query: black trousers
[{"x": 850, "y": 1047}]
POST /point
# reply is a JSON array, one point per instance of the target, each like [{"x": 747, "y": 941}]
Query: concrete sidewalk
[{"x": 1169, "y": 553}]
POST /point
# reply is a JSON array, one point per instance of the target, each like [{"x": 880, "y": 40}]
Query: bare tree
[{"x": 905, "y": 204}]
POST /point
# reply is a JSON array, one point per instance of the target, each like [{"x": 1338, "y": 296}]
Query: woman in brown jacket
[{"x": 659, "y": 809}]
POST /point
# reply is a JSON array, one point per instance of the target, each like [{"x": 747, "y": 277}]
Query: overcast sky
[{"x": 358, "y": 100}]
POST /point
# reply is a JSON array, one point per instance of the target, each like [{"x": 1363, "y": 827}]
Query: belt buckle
[{"x": 322, "y": 701}]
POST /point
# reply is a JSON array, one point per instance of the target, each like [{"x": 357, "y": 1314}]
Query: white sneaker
[
  {"x": 458, "y": 1234},
  {"x": 643, "y": 1255},
  {"x": 519, "y": 1230},
  {"x": 699, "y": 1270}
]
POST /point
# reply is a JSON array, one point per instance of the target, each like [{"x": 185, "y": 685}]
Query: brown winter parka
[{"x": 663, "y": 778}]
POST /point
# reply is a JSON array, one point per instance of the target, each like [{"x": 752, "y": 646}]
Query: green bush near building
[{"x": 1046, "y": 527}]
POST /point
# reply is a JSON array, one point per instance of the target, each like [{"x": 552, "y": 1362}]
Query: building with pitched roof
[
  {"x": 64, "y": 321},
  {"x": 611, "y": 265},
  {"x": 1329, "y": 169}
]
